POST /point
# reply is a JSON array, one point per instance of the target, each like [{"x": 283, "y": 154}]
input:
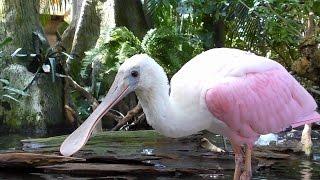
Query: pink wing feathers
[{"x": 261, "y": 103}]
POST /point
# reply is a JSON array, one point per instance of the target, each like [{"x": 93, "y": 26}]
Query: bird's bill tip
[{"x": 75, "y": 141}]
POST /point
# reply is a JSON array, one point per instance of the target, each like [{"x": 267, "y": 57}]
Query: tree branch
[
  {"x": 87, "y": 95},
  {"x": 128, "y": 117}
]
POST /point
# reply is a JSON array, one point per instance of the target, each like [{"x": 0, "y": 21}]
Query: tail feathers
[{"x": 314, "y": 117}]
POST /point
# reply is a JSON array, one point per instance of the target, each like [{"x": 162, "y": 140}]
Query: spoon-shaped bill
[{"x": 75, "y": 141}]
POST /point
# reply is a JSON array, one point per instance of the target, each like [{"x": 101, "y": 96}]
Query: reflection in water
[
  {"x": 316, "y": 156},
  {"x": 148, "y": 152},
  {"x": 10, "y": 143},
  {"x": 306, "y": 170}
]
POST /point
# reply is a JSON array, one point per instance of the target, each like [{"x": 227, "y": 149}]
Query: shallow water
[
  {"x": 301, "y": 168},
  {"x": 10, "y": 142}
]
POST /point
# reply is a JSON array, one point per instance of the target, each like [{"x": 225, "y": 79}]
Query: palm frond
[{"x": 53, "y": 6}]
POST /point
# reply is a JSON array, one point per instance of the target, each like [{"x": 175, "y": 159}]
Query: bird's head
[
  {"x": 137, "y": 73},
  {"x": 140, "y": 73}
]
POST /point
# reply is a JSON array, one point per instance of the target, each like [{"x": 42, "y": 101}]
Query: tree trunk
[
  {"x": 208, "y": 27},
  {"x": 130, "y": 13},
  {"x": 21, "y": 20},
  {"x": 97, "y": 15},
  {"x": 308, "y": 65},
  {"x": 42, "y": 111},
  {"x": 87, "y": 29},
  {"x": 68, "y": 35},
  {"x": 216, "y": 31},
  {"x": 219, "y": 34}
]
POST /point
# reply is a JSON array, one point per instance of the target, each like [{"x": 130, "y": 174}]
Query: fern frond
[{"x": 112, "y": 48}]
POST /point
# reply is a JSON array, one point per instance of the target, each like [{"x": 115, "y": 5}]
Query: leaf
[
  {"x": 97, "y": 90},
  {"x": 4, "y": 81},
  {"x": 12, "y": 98},
  {"x": 316, "y": 8},
  {"x": 53, "y": 68},
  {"x": 15, "y": 52},
  {"x": 21, "y": 55},
  {"x": 5, "y": 42},
  {"x": 68, "y": 55},
  {"x": 16, "y": 91}
]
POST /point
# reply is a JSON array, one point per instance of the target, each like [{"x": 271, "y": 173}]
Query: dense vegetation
[{"x": 284, "y": 30}]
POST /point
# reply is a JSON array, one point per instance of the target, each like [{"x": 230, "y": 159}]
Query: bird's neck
[
  {"x": 158, "y": 109},
  {"x": 161, "y": 112}
]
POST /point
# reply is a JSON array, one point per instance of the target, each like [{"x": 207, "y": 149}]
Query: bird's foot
[
  {"x": 205, "y": 143},
  {"x": 246, "y": 175}
]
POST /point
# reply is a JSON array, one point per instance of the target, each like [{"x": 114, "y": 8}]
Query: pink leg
[
  {"x": 247, "y": 174},
  {"x": 238, "y": 158},
  {"x": 306, "y": 139}
]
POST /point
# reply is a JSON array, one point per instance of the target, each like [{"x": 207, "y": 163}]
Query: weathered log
[
  {"x": 142, "y": 153},
  {"x": 28, "y": 160}
]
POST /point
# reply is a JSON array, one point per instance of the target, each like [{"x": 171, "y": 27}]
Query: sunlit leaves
[
  {"x": 113, "y": 47},
  {"x": 4, "y": 81},
  {"x": 10, "y": 98}
]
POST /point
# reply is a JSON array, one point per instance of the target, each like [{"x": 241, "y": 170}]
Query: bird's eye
[{"x": 134, "y": 73}]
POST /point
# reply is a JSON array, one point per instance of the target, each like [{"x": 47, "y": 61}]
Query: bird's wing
[{"x": 260, "y": 102}]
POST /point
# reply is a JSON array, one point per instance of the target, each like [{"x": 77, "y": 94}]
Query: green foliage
[
  {"x": 274, "y": 26},
  {"x": 113, "y": 47},
  {"x": 192, "y": 17},
  {"x": 5, "y": 42},
  {"x": 171, "y": 49},
  {"x": 44, "y": 19},
  {"x": 10, "y": 93},
  {"x": 162, "y": 12},
  {"x": 262, "y": 26},
  {"x": 6, "y": 91}
]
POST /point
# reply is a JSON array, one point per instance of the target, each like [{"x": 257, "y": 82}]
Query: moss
[
  {"x": 23, "y": 121},
  {"x": 30, "y": 116},
  {"x": 131, "y": 142}
]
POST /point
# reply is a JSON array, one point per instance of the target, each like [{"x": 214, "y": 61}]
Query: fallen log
[
  {"x": 27, "y": 160},
  {"x": 139, "y": 153}
]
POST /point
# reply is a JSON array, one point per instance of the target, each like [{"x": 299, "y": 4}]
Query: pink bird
[{"x": 226, "y": 91}]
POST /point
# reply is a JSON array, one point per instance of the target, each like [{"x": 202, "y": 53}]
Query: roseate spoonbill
[{"x": 227, "y": 91}]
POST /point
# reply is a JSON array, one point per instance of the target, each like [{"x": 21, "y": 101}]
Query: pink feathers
[{"x": 261, "y": 103}]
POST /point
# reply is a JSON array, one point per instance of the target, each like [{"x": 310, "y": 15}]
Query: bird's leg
[
  {"x": 246, "y": 175},
  {"x": 238, "y": 158},
  {"x": 225, "y": 143},
  {"x": 306, "y": 139}
]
